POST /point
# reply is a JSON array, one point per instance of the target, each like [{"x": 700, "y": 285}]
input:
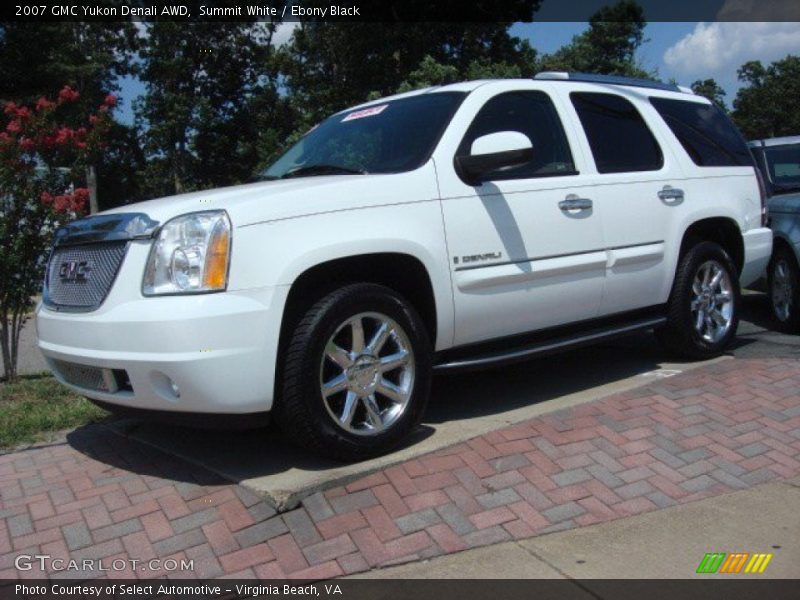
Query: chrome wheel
[
  {"x": 782, "y": 290},
  {"x": 367, "y": 374},
  {"x": 712, "y": 301}
]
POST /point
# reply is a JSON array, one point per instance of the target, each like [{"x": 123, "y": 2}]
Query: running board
[{"x": 550, "y": 346}]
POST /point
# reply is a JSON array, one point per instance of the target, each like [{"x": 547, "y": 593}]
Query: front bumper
[
  {"x": 757, "y": 252},
  {"x": 212, "y": 353}
]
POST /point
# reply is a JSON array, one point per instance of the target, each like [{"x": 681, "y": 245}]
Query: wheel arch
[
  {"x": 779, "y": 240},
  {"x": 724, "y": 231},
  {"x": 404, "y": 273}
]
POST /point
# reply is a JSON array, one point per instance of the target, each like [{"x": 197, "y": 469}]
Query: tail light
[{"x": 762, "y": 191}]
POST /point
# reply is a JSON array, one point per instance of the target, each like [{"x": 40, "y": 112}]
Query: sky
[{"x": 681, "y": 51}]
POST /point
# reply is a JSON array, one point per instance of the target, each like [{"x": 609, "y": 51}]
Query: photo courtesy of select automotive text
[{"x": 373, "y": 299}]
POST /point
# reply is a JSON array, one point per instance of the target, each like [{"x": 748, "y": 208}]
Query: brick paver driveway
[{"x": 723, "y": 427}]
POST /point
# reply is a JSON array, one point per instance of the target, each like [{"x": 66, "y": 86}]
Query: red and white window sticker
[{"x": 366, "y": 112}]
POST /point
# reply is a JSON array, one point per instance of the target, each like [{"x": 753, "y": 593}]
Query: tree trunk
[
  {"x": 5, "y": 345},
  {"x": 17, "y": 323},
  {"x": 179, "y": 166},
  {"x": 91, "y": 183}
]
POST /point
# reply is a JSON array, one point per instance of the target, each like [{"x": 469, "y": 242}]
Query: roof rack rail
[{"x": 608, "y": 79}]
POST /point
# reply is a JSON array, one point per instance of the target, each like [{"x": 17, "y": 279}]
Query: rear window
[
  {"x": 707, "y": 135},
  {"x": 783, "y": 165},
  {"x": 618, "y": 136}
]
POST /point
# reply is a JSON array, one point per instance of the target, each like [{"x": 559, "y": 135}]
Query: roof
[
  {"x": 777, "y": 141},
  {"x": 610, "y": 80},
  {"x": 554, "y": 78}
]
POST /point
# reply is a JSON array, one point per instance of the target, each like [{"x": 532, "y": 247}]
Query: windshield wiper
[{"x": 310, "y": 170}]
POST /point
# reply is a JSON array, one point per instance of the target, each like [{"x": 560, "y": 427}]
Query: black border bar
[
  {"x": 731, "y": 588},
  {"x": 388, "y": 11}
]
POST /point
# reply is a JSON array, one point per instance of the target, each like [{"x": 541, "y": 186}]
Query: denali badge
[
  {"x": 471, "y": 258},
  {"x": 74, "y": 270}
]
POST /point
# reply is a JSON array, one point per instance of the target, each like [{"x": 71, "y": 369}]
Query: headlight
[{"x": 191, "y": 255}]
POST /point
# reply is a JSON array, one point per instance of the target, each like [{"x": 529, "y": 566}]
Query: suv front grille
[{"x": 80, "y": 277}]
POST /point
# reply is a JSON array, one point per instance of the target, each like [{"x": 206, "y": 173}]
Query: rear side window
[
  {"x": 618, "y": 136},
  {"x": 708, "y": 137},
  {"x": 533, "y": 114}
]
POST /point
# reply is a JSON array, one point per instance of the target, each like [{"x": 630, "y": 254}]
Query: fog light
[{"x": 175, "y": 389}]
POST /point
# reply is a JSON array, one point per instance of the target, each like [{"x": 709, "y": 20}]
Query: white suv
[{"x": 453, "y": 227}]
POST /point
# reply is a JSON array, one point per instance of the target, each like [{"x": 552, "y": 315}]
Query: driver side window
[{"x": 533, "y": 114}]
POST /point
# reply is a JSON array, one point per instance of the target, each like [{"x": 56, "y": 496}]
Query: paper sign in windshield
[{"x": 367, "y": 112}]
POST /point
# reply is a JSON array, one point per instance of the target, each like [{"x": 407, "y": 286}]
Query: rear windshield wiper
[{"x": 309, "y": 170}]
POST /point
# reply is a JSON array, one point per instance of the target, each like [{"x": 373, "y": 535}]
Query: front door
[{"x": 526, "y": 246}]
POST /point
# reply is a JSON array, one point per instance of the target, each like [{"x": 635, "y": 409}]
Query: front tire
[
  {"x": 357, "y": 374},
  {"x": 703, "y": 308},
  {"x": 783, "y": 288}
]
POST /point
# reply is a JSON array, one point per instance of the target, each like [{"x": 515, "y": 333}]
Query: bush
[{"x": 39, "y": 157}]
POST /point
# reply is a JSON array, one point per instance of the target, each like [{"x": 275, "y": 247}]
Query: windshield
[
  {"x": 783, "y": 163},
  {"x": 387, "y": 137}
]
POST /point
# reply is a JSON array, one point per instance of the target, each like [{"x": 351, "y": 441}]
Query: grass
[{"x": 36, "y": 406}]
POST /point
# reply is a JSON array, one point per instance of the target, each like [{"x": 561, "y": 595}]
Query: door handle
[
  {"x": 573, "y": 202},
  {"x": 670, "y": 193}
]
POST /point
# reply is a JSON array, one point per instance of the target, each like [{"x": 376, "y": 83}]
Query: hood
[{"x": 284, "y": 199}]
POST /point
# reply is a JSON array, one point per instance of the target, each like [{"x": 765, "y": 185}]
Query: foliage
[
  {"x": 767, "y": 105},
  {"x": 37, "y": 59},
  {"x": 35, "y": 406},
  {"x": 430, "y": 73},
  {"x": 39, "y": 158},
  {"x": 710, "y": 89},
  {"x": 608, "y": 46},
  {"x": 196, "y": 121},
  {"x": 329, "y": 66}
]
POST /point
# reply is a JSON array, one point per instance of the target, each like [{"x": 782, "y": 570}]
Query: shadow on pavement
[
  {"x": 460, "y": 405},
  {"x": 261, "y": 452},
  {"x": 482, "y": 393},
  {"x": 99, "y": 443}
]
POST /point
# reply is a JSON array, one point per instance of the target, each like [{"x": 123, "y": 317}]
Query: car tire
[
  {"x": 703, "y": 307},
  {"x": 783, "y": 290},
  {"x": 340, "y": 396}
]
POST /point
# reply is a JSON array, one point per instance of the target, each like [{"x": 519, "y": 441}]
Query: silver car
[{"x": 778, "y": 160}]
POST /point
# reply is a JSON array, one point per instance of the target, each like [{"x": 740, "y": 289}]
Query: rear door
[{"x": 637, "y": 186}]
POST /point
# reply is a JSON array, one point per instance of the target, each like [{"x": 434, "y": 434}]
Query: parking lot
[
  {"x": 574, "y": 442},
  {"x": 463, "y": 406}
]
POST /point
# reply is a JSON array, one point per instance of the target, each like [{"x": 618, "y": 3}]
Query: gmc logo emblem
[{"x": 74, "y": 270}]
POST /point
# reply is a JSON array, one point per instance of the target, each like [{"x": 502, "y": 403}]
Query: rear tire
[
  {"x": 357, "y": 374},
  {"x": 703, "y": 308},
  {"x": 783, "y": 289}
]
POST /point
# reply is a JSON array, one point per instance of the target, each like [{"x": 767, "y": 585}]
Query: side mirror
[{"x": 493, "y": 152}]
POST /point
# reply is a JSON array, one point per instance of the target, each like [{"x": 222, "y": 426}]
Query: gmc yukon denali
[{"x": 455, "y": 227}]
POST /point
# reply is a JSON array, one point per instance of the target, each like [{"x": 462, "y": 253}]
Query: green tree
[
  {"x": 204, "y": 81},
  {"x": 608, "y": 46},
  {"x": 767, "y": 105},
  {"x": 432, "y": 73},
  {"x": 39, "y": 58},
  {"x": 120, "y": 163},
  {"x": 710, "y": 89},
  {"x": 39, "y": 155},
  {"x": 329, "y": 66}
]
